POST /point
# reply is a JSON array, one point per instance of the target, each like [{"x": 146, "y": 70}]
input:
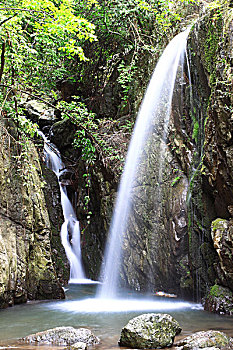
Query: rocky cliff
[
  {"x": 26, "y": 270},
  {"x": 204, "y": 131},
  {"x": 180, "y": 248}
]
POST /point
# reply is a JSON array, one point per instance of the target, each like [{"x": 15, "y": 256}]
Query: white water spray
[
  {"x": 70, "y": 227},
  {"x": 155, "y": 109}
]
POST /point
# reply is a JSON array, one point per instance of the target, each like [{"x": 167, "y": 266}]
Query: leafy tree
[{"x": 39, "y": 39}]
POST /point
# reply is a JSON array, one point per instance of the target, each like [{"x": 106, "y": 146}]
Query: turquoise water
[{"x": 80, "y": 309}]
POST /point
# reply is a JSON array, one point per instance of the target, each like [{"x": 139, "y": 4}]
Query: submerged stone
[
  {"x": 63, "y": 336},
  {"x": 150, "y": 331},
  {"x": 210, "y": 340}
]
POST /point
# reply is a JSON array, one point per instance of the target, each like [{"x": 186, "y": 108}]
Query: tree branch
[
  {"x": 7, "y": 19},
  {"x": 2, "y": 60}
]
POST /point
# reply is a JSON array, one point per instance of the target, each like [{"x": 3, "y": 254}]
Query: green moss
[
  {"x": 195, "y": 131},
  {"x": 176, "y": 180},
  {"x": 217, "y": 292},
  {"x": 218, "y": 224},
  {"x": 214, "y": 31}
]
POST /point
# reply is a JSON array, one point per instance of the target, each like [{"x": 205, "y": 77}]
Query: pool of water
[{"x": 104, "y": 317}]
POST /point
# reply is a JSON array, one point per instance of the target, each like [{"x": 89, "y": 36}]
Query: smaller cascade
[{"x": 70, "y": 231}]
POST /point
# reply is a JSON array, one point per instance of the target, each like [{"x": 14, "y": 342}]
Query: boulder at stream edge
[
  {"x": 63, "y": 336},
  {"x": 210, "y": 340},
  {"x": 149, "y": 331}
]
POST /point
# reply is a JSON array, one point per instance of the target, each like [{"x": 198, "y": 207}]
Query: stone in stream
[
  {"x": 149, "y": 331},
  {"x": 63, "y": 336},
  {"x": 79, "y": 346},
  {"x": 209, "y": 340}
]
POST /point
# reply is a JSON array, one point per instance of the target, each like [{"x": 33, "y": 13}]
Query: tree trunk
[{"x": 2, "y": 60}]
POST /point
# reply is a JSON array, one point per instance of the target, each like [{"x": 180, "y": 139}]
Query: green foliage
[
  {"x": 127, "y": 31},
  {"x": 41, "y": 38},
  {"x": 78, "y": 113},
  {"x": 90, "y": 138},
  {"x": 219, "y": 292}
]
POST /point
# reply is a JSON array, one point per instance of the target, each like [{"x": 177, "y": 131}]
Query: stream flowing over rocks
[{"x": 149, "y": 331}]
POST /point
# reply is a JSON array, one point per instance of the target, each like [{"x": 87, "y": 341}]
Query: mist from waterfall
[
  {"x": 70, "y": 231},
  {"x": 154, "y": 112}
]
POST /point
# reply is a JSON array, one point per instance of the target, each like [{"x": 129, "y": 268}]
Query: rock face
[
  {"x": 222, "y": 235},
  {"x": 197, "y": 178},
  {"x": 210, "y": 340},
  {"x": 64, "y": 336},
  {"x": 150, "y": 331},
  {"x": 157, "y": 224},
  {"x": 219, "y": 300},
  {"x": 201, "y": 140},
  {"x": 26, "y": 270}
]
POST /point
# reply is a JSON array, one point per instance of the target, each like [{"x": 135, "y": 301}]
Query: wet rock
[
  {"x": 150, "y": 331},
  {"x": 210, "y": 340},
  {"x": 79, "y": 346},
  {"x": 62, "y": 133},
  {"x": 222, "y": 236},
  {"x": 40, "y": 112},
  {"x": 63, "y": 336},
  {"x": 219, "y": 300}
]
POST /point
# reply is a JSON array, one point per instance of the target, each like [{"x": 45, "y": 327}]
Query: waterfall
[
  {"x": 70, "y": 232},
  {"x": 154, "y": 112}
]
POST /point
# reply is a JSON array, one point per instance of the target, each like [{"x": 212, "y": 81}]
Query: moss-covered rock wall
[
  {"x": 204, "y": 132},
  {"x": 26, "y": 270}
]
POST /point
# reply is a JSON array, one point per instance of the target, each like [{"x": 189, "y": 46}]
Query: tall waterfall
[
  {"x": 155, "y": 110},
  {"x": 70, "y": 232}
]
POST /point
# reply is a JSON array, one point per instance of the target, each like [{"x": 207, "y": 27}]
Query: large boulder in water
[
  {"x": 210, "y": 340},
  {"x": 63, "y": 336},
  {"x": 149, "y": 331}
]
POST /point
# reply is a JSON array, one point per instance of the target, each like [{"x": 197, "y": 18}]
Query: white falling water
[
  {"x": 70, "y": 227},
  {"x": 155, "y": 108}
]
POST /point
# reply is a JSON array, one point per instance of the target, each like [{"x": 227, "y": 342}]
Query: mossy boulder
[
  {"x": 212, "y": 340},
  {"x": 149, "y": 331},
  {"x": 219, "y": 300}
]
